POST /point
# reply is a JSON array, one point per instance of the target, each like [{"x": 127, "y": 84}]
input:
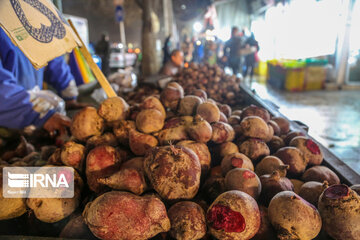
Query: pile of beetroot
[
  {"x": 188, "y": 167},
  {"x": 219, "y": 86}
]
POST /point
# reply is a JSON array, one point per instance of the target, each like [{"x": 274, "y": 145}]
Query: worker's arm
[{"x": 16, "y": 108}]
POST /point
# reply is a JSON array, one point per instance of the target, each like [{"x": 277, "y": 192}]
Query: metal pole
[{"x": 123, "y": 40}]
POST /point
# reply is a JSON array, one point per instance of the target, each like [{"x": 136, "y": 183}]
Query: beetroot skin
[
  {"x": 174, "y": 171},
  {"x": 339, "y": 207},
  {"x": 187, "y": 221},
  {"x": 122, "y": 215},
  {"x": 233, "y": 215},
  {"x": 101, "y": 162},
  {"x": 294, "y": 218}
]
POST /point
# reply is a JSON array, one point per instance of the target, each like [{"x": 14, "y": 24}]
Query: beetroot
[
  {"x": 269, "y": 164},
  {"x": 237, "y": 113},
  {"x": 254, "y": 148},
  {"x": 226, "y": 109},
  {"x": 272, "y": 184},
  {"x": 212, "y": 188},
  {"x": 86, "y": 123},
  {"x": 294, "y": 158},
  {"x": 275, "y": 144},
  {"x": 233, "y": 215},
  {"x": 283, "y": 124},
  {"x": 266, "y": 231},
  {"x": 291, "y": 135},
  {"x": 140, "y": 143},
  {"x": 243, "y": 180},
  {"x": 153, "y": 103},
  {"x": 113, "y": 109},
  {"x": 200, "y": 93},
  {"x": 311, "y": 191},
  {"x": 73, "y": 154},
  {"x": 297, "y": 185},
  {"x": 275, "y": 127},
  {"x": 76, "y": 228},
  {"x": 226, "y": 148},
  {"x": 101, "y": 162},
  {"x": 202, "y": 151},
  {"x": 235, "y": 160},
  {"x": 189, "y": 104},
  {"x": 187, "y": 221},
  {"x": 171, "y": 96},
  {"x": 222, "y": 132},
  {"x": 209, "y": 111},
  {"x": 339, "y": 207},
  {"x": 165, "y": 165},
  {"x": 254, "y": 127},
  {"x": 130, "y": 177},
  {"x": 173, "y": 131},
  {"x": 122, "y": 215},
  {"x": 234, "y": 120},
  {"x": 200, "y": 130},
  {"x": 121, "y": 131},
  {"x": 285, "y": 211},
  {"x": 320, "y": 174},
  {"x": 105, "y": 139},
  {"x": 149, "y": 121},
  {"x": 253, "y": 110},
  {"x": 223, "y": 118},
  {"x": 310, "y": 149}
]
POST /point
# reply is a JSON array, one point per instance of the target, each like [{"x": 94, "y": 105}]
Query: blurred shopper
[
  {"x": 251, "y": 58},
  {"x": 188, "y": 49},
  {"x": 198, "y": 54},
  {"x": 232, "y": 50},
  {"x": 167, "y": 49},
  {"x": 102, "y": 49},
  {"x": 22, "y": 102},
  {"x": 175, "y": 63},
  {"x": 211, "y": 53}
]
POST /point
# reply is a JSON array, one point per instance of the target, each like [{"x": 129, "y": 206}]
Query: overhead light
[
  {"x": 197, "y": 26},
  {"x": 120, "y": 45}
]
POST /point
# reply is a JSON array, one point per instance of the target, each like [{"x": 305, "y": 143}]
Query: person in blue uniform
[{"x": 20, "y": 104}]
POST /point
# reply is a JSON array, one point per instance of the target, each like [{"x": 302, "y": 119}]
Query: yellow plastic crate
[
  {"x": 315, "y": 77},
  {"x": 294, "y": 80}
]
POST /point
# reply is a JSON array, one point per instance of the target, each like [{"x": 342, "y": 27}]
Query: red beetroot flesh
[
  {"x": 222, "y": 217},
  {"x": 313, "y": 147},
  {"x": 248, "y": 174},
  {"x": 237, "y": 162},
  {"x": 337, "y": 191}
]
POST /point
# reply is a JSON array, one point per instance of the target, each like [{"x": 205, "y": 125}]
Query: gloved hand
[{"x": 57, "y": 123}]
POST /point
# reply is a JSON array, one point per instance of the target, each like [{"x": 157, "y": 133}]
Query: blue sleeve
[
  {"x": 16, "y": 110},
  {"x": 58, "y": 75}
]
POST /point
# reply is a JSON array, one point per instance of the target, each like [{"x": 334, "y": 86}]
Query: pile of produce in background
[
  {"x": 183, "y": 166},
  {"x": 213, "y": 80}
]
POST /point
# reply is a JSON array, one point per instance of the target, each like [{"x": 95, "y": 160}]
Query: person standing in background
[
  {"x": 167, "y": 49},
  {"x": 175, "y": 63},
  {"x": 251, "y": 58},
  {"x": 232, "y": 50},
  {"x": 102, "y": 48}
]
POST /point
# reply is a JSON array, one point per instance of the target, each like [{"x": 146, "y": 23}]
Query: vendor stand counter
[{"x": 346, "y": 174}]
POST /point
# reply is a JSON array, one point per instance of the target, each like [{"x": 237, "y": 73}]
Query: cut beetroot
[
  {"x": 237, "y": 162},
  {"x": 337, "y": 191},
  {"x": 313, "y": 147},
  {"x": 248, "y": 174},
  {"x": 222, "y": 217}
]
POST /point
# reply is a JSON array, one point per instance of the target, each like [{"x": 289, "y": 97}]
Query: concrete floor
[{"x": 333, "y": 117}]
